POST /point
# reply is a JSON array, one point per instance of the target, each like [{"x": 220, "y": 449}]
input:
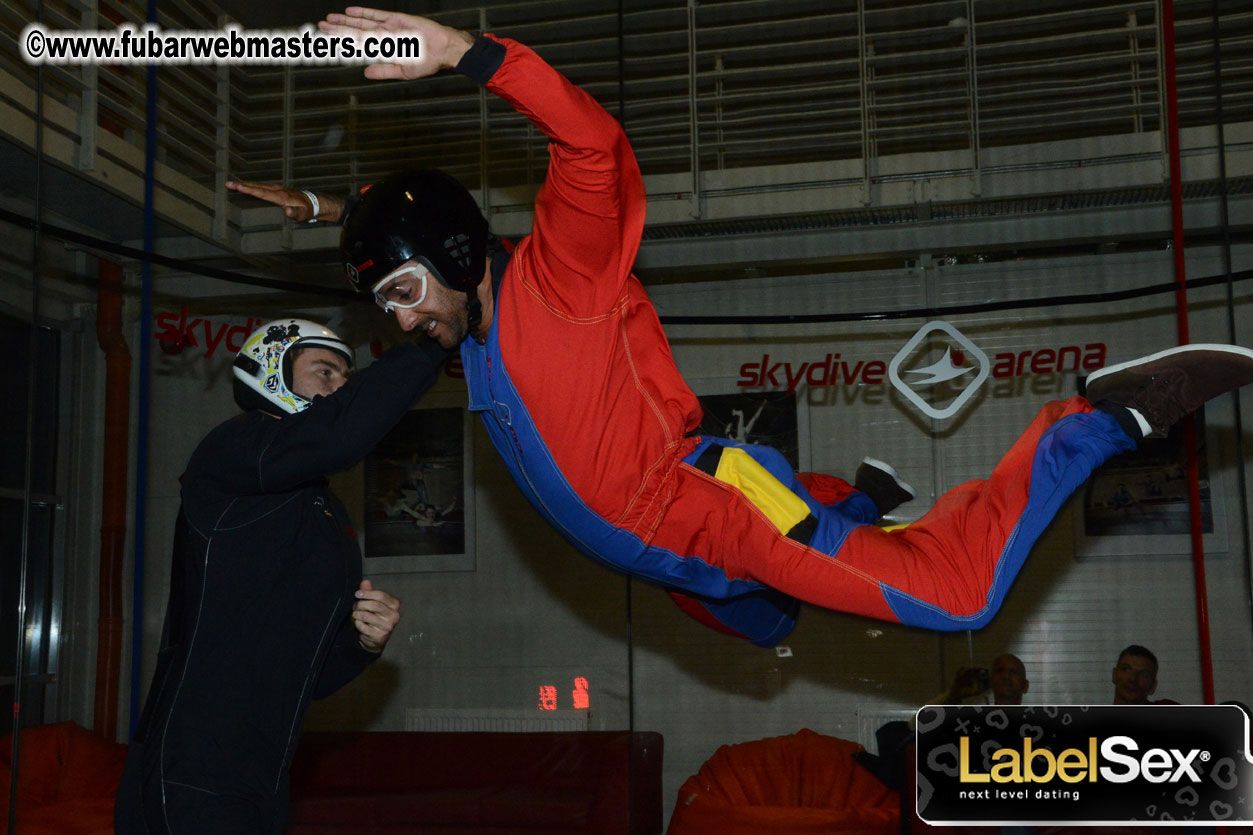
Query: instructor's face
[
  {"x": 441, "y": 315},
  {"x": 317, "y": 371}
]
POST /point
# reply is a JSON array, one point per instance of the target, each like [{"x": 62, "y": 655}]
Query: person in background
[
  {"x": 1135, "y": 677},
  {"x": 1003, "y": 683}
]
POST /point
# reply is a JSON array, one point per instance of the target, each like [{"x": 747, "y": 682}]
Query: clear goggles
[{"x": 404, "y": 289}]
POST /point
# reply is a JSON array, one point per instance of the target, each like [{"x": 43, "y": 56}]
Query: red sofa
[
  {"x": 67, "y": 781},
  {"x": 386, "y": 783}
]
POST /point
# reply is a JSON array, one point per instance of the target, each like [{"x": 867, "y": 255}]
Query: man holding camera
[{"x": 1004, "y": 683}]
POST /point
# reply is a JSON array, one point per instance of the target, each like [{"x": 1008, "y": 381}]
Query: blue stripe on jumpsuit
[
  {"x": 759, "y": 613},
  {"x": 1066, "y": 455}
]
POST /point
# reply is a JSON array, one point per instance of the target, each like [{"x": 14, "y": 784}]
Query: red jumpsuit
[{"x": 580, "y": 394}]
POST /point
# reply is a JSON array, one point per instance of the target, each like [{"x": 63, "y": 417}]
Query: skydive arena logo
[
  {"x": 963, "y": 368},
  {"x": 938, "y": 370},
  {"x": 1153, "y": 764}
]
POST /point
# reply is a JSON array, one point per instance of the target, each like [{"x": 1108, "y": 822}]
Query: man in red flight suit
[{"x": 570, "y": 371}]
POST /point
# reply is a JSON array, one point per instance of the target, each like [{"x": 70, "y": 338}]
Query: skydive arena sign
[{"x": 1152, "y": 765}]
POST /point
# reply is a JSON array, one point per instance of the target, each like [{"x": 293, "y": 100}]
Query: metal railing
[{"x": 707, "y": 87}]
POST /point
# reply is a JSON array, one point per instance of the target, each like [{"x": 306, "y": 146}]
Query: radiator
[
  {"x": 869, "y": 719},
  {"x": 494, "y": 720}
]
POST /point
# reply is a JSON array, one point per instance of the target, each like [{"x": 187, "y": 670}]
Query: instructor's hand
[
  {"x": 375, "y": 615},
  {"x": 441, "y": 46},
  {"x": 294, "y": 202}
]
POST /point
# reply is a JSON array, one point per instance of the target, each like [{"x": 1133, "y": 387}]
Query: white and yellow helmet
[{"x": 263, "y": 366}]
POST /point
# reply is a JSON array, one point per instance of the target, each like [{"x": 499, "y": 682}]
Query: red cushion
[
  {"x": 489, "y": 782},
  {"x": 41, "y": 753},
  {"x": 90, "y": 816},
  {"x": 546, "y": 808},
  {"x": 436, "y": 806},
  {"x": 347, "y": 762},
  {"x": 801, "y": 783},
  {"x": 524, "y": 806},
  {"x": 91, "y": 766},
  {"x": 67, "y": 781}
]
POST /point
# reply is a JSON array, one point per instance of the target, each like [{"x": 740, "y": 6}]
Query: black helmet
[{"x": 425, "y": 216}]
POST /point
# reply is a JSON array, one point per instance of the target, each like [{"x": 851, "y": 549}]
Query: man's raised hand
[{"x": 441, "y": 46}]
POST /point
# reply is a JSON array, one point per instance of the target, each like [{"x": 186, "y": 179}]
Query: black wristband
[{"x": 481, "y": 60}]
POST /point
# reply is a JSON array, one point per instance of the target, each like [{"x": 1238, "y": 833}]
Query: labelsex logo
[
  {"x": 953, "y": 367},
  {"x": 1073, "y": 765},
  {"x": 1086, "y": 764}
]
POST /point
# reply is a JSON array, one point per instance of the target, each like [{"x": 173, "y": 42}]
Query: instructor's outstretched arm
[{"x": 299, "y": 205}]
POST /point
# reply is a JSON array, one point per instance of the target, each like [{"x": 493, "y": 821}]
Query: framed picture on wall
[
  {"x": 419, "y": 495},
  {"x": 1137, "y": 503},
  {"x": 759, "y": 417}
]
